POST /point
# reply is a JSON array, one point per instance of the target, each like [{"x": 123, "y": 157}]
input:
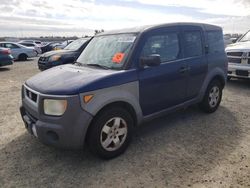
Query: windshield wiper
[
  {"x": 77, "y": 63},
  {"x": 98, "y": 65}
]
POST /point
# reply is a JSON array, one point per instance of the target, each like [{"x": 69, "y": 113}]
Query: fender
[{"x": 128, "y": 93}]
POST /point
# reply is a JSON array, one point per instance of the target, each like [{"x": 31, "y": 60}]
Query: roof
[{"x": 140, "y": 29}]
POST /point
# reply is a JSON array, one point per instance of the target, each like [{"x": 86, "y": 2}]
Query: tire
[
  {"x": 113, "y": 125},
  {"x": 229, "y": 78},
  {"x": 212, "y": 97},
  {"x": 22, "y": 57}
]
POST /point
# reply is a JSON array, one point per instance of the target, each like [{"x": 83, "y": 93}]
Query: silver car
[
  {"x": 239, "y": 58},
  {"x": 19, "y": 51}
]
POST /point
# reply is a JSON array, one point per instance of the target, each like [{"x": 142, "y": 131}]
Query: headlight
[
  {"x": 55, "y": 58},
  {"x": 54, "y": 107}
]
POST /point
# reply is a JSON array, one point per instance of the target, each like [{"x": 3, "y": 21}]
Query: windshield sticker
[
  {"x": 118, "y": 57},
  {"x": 126, "y": 39}
]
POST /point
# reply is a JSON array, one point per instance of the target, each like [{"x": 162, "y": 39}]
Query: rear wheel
[
  {"x": 212, "y": 98},
  {"x": 22, "y": 57},
  {"x": 110, "y": 133}
]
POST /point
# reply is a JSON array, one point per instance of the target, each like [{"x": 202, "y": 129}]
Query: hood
[
  {"x": 71, "y": 79},
  {"x": 57, "y": 52},
  {"x": 239, "y": 46}
]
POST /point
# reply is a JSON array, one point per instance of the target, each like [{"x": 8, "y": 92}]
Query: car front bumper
[
  {"x": 44, "y": 66},
  {"x": 66, "y": 131},
  {"x": 238, "y": 70}
]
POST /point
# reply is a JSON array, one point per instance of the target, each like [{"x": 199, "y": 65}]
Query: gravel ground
[{"x": 185, "y": 149}]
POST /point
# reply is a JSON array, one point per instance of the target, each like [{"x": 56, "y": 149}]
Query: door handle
[{"x": 184, "y": 69}]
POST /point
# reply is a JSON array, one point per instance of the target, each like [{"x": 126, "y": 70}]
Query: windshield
[
  {"x": 108, "y": 51},
  {"x": 75, "y": 45},
  {"x": 246, "y": 37}
]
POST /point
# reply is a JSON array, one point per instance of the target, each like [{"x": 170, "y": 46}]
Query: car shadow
[
  {"x": 239, "y": 83},
  {"x": 166, "y": 150},
  {"x": 27, "y": 60},
  {"x": 2, "y": 69}
]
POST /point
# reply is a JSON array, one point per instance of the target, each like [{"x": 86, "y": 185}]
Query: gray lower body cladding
[{"x": 66, "y": 131}]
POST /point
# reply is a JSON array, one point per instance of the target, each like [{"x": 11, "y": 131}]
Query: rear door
[
  {"x": 193, "y": 41},
  {"x": 162, "y": 86},
  {"x": 15, "y": 50}
]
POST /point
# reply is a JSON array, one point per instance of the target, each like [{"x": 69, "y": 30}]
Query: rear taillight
[{"x": 5, "y": 52}]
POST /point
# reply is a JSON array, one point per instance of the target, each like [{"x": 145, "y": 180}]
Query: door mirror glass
[{"x": 151, "y": 61}]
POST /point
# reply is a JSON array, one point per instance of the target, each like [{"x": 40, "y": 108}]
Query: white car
[
  {"x": 19, "y": 51},
  {"x": 38, "y": 42},
  {"x": 239, "y": 58},
  {"x": 34, "y": 45}
]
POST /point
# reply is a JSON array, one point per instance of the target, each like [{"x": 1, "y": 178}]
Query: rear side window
[
  {"x": 215, "y": 42},
  {"x": 11, "y": 46},
  {"x": 166, "y": 45},
  {"x": 192, "y": 43},
  {"x": 26, "y": 44}
]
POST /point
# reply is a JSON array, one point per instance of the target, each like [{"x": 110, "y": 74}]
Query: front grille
[
  {"x": 237, "y": 54},
  {"x": 43, "y": 59},
  {"x": 32, "y": 96},
  {"x": 239, "y": 57},
  {"x": 234, "y": 60}
]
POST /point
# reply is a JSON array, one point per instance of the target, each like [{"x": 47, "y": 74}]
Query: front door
[{"x": 165, "y": 85}]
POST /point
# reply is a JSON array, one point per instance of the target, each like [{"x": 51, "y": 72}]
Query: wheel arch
[
  {"x": 127, "y": 106},
  {"x": 119, "y": 103},
  {"x": 22, "y": 54},
  {"x": 216, "y": 74}
]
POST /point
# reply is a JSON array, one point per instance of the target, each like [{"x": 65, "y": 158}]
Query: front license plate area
[
  {"x": 242, "y": 73},
  {"x": 30, "y": 126}
]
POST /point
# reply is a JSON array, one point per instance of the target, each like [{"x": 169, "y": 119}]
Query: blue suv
[{"x": 124, "y": 78}]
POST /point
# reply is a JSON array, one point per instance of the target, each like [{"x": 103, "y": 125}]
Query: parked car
[
  {"x": 34, "y": 45},
  {"x": 62, "y": 45},
  {"x": 59, "y": 57},
  {"x": 122, "y": 79},
  {"x": 229, "y": 40},
  {"x": 239, "y": 58},
  {"x": 5, "y": 57},
  {"x": 38, "y": 42},
  {"x": 49, "y": 46},
  {"x": 19, "y": 51}
]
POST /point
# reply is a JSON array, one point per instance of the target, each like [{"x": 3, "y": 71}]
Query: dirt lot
[{"x": 185, "y": 149}]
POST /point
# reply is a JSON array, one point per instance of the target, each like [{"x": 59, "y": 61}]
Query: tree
[{"x": 98, "y": 31}]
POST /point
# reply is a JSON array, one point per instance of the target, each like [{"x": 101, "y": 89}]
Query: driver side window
[
  {"x": 11, "y": 46},
  {"x": 165, "y": 45}
]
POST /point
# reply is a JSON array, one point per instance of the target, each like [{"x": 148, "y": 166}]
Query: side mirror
[
  {"x": 234, "y": 40},
  {"x": 151, "y": 61}
]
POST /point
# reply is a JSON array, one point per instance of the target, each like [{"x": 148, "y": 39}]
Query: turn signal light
[{"x": 87, "y": 98}]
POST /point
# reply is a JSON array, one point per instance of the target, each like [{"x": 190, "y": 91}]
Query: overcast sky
[{"x": 21, "y": 18}]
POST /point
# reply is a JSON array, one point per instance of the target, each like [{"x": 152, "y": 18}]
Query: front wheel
[
  {"x": 212, "y": 98},
  {"x": 110, "y": 133}
]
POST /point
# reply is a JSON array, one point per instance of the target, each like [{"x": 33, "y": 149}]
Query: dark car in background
[
  {"x": 59, "y": 57},
  {"x": 48, "y": 46},
  {"x": 5, "y": 57}
]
